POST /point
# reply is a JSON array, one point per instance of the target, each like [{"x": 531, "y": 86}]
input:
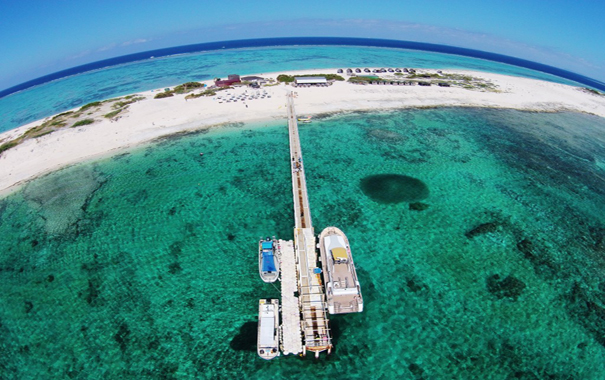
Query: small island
[{"x": 107, "y": 127}]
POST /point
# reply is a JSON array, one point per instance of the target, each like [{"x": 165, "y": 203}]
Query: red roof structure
[{"x": 229, "y": 81}]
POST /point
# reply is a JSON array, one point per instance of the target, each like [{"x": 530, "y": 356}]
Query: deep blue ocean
[{"x": 144, "y": 265}]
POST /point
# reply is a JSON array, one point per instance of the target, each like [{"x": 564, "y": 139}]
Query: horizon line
[{"x": 306, "y": 41}]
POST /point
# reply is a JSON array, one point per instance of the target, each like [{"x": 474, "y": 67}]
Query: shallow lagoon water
[{"x": 144, "y": 265}]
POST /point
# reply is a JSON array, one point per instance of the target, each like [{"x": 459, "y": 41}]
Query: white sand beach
[{"x": 152, "y": 118}]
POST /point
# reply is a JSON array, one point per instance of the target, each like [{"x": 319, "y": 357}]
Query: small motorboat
[
  {"x": 268, "y": 262},
  {"x": 267, "y": 343}
]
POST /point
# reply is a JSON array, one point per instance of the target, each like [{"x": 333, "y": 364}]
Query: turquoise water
[
  {"x": 61, "y": 95},
  {"x": 144, "y": 265}
]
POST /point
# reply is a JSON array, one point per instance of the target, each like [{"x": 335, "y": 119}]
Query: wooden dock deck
[{"x": 291, "y": 336}]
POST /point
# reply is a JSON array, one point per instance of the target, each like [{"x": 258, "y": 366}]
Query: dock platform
[{"x": 290, "y": 330}]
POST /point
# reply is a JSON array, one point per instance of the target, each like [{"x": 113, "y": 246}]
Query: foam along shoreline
[{"x": 150, "y": 118}]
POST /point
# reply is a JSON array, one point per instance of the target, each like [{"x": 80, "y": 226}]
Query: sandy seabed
[{"x": 151, "y": 118}]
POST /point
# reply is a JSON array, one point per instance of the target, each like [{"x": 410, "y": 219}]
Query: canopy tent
[{"x": 268, "y": 261}]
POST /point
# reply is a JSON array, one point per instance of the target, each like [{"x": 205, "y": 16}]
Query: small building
[
  {"x": 311, "y": 80},
  {"x": 230, "y": 81}
]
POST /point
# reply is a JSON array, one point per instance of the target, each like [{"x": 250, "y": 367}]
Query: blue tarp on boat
[
  {"x": 268, "y": 261},
  {"x": 267, "y": 245}
]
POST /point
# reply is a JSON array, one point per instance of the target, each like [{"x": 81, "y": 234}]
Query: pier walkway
[
  {"x": 311, "y": 298},
  {"x": 290, "y": 330}
]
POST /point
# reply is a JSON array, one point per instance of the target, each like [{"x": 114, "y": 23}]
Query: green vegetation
[
  {"x": 593, "y": 91},
  {"x": 368, "y": 78},
  {"x": 63, "y": 114},
  {"x": 290, "y": 78},
  {"x": 208, "y": 92},
  {"x": 165, "y": 94},
  {"x": 425, "y": 76},
  {"x": 113, "y": 113},
  {"x": 8, "y": 145},
  {"x": 127, "y": 100},
  {"x": 187, "y": 87},
  {"x": 90, "y": 105},
  {"x": 83, "y": 122},
  {"x": 180, "y": 89}
]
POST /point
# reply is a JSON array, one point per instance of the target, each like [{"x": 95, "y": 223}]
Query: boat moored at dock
[
  {"x": 268, "y": 262},
  {"x": 268, "y": 329},
  {"x": 343, "y": 293}
]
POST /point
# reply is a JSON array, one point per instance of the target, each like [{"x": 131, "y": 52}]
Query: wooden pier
[{"x": 311, "y": 297}]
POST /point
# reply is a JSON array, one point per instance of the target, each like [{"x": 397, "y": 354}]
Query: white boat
[
  {"x": 267, "y": 344},
  {"x": 268, "y": 262},
  {"x": 343, "y": 293}
]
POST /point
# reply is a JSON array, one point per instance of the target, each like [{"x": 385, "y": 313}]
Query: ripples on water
[{"x": 145, "y": 265}]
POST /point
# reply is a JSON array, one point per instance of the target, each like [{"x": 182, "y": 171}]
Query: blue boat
[{"x": 268, "y": 262}]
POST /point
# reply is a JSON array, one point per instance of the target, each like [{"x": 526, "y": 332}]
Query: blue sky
[{"x": 38, "y": 37}]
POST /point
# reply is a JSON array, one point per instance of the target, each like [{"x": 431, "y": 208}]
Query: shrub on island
[
  {"x": 90, "y": 105},
  {"x": 82, "y": 122},
  {"x": 290, "y": 78},
  {"x": 186, "y": 87},
  {"x": 8, "y": 145},
  {"x": 114, "y": 113},
  {"x": 161, "y": 95}
]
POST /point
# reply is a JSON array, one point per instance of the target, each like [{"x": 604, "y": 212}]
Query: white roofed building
[{"x": 310, "y": 80}]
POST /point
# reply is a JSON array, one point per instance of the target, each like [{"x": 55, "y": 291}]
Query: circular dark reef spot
[{"x": 394, "y": 188}]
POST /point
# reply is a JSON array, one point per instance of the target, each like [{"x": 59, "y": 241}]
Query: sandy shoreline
[{"x": 150, "y": 119}]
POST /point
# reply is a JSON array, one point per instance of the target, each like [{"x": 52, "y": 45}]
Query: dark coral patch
[
  {"x": 482, "y": 229},
  {"x": 510, "y": 287},
  {"x": 418, "y": 206},
  {"x": 394, "y": 188},
  {"x": 175, "y": 268}
]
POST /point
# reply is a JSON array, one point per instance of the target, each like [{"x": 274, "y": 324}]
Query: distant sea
[
  {"x": 478, "y": 236},
  {"x": 168, "y": 67}
]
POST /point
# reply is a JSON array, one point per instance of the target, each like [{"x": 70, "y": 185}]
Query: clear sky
[{"x": 38, "y": 37}]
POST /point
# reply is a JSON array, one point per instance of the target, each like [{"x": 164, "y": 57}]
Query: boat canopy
[
  {"x": 339, "y": 254},
  {"x": 267, "y": 328},
  {"x": 267, "y": 245},
  {"x": 268, "y": 262}
]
